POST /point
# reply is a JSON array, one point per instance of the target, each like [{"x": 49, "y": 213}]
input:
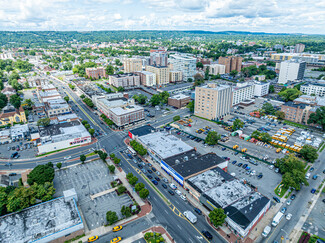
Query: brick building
[
  {"x": 96, "y": 73},
  {"x": 296, "y": 112},
  {"x": 231, "y": 63},
  {"x": 179, "y": 100}
]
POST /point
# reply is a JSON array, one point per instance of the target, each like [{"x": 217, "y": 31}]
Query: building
[
  {"x": 231, "y": 63},
  {"x": 299, "y": 48},
  {"x": 4, "y": 182},
  {"x": 106, "y": 102},
  {"x": 19, "y": 131},
  {"x": 162, "y": 74},
  {"x": 8, "y": 91},
  {"x": 176, "y": 88},
  {"x": 44, "y": 96},
  {"x": 140, "y": 131},
  {"x": 158, "y": 58},
  {"x": 175, "y": 76},
  {"x": 56, "y": 107},
  {"x": 242, "y": 92},
  {"x": 298, "y": 113},
  {"x": 96, "y": 73},
  {"x": 11, "y": 115},
  {"x": 183, "y": 63},
  {"x": 147, "y": 78},
  {"x": 178, "y": 101},
  {"x": 57, "y": 220},
  {"x": 215, "y": 68},
  {"x": 124, "y": 80},
  {"x": 132, "y": 65},
  {"x": 212, "y": 101},
  {"x": 242, "y": 204},
  {"x": 126, "y": 115},
  {"x": 62, "y": 136},
  {"x": 291, "y": 70},
  {"x": 261, "y": 89},
  {"x": 314, "y": 88},
  {"x": 305, "y": 57}
]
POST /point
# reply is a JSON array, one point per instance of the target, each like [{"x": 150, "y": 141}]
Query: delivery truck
[{"x": 190, "y": 216}]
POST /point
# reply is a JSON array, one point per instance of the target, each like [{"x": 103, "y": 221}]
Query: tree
[
  {"x": 28, "y": 104},
  {"x": 318, "y": 117},
  {"x": 111, "y": 217},
  {"x": 84, "y": 122},
  {"x": 126, "y": 211},
  {"x": 111, "y": 168},
  {"x": 129, "y": 176},
  {"x": 138, "y": 187},
  {"x": 91, "y": 131},
  {"x": 109, "y": 70},
  {"x": 191, "y": 106},
  {"x": 217, "y": 216},
  {"x": 103, "y": 156},
  {"x": 133, "y": 180},
  {"x": 280, "y": 115},
  {"x": 237, "y": 124},
  {"x": 190, "y": 80},
  {"x": 26, "y": 85},
  {"x": 144, "y": 193},
  {"x": 121, "y": 189},
  {"x": 233, "y": 73},
  {"x": 138, "y": 147},
  {"x": 3, "y": 100},
  {"x": 87, "y": 126},
  {"x": 66, "y": 98},
  {"x": 289, "y": 163},
  {"x": 116, "y": 160},
  {"x": 82, "y": 96},
  {"x": 199, "y": 65},
  {"x": 59, "y": 165},
  {"x": 44, "y": 122},
  {"x": 268, "y": 108},
  {"x": 309, "y": 153},
  {"x": 271, "y": 89},
  {"x": 15, "y": 100},
  {"x": 265, "y": 137},
  {"x": 141, "y": 99},
  {"x": 206, "y": 73},
  {"x": 41, "y": 174},
  {"x": 83, "y": 158},
  {"x": 212, "y": 138},
  {"x": 176, "y": 118},
  {"x": 112, "y": 155},
  {"x": 155, "y": 100},
  {"x": 290, "y": 94}
]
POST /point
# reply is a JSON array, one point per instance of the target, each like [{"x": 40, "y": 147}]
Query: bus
[{"x": 131, "y": 150}]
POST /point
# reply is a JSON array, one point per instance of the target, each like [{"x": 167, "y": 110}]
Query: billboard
[{"x": 172, "y": 172}]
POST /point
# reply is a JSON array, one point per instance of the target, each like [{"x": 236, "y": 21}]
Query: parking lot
[
  {"x": 89, "y": 179},
  {"x": 25, "y": 149}
]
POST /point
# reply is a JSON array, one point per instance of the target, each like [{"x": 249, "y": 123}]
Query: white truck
[
  {"x": 190, "y": 216},
  {"x": 277, "y": 218},
  {"x": 266, "y": 231}
]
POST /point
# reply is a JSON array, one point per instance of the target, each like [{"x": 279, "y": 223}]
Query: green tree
[
  {"x": 155, "y": 100},
  {"x": 111, "y": 168},
  {"x": 176, "y": 118},
  {"x": 271, "y": 89},
  {"x": 28, "y": 104},
  {"x": 126, "y": 211},
  {"x": 91, "y": 131},
  {"x": 44, "y": 122},
  {"x": 206, "y": 73},
  {"x": 280, "y": 115},
  {"x": 233, "y": 73},
  {"x": 129, "y": 176},
  {"x": 41, "y": 174},
  {"x": 15, "y": 100},
  {"x": 121, "y": 189},
  {"x": 265, "y": 137},
  {"x": 87, "y": 126},
  {"x": 144, "y": 193},
  {"x": 103, "y": 156},
  {"x": 217, "y": 217},
  {"x": 26, "y": 85},
  {"x": 190, "y": 80},
  {"x": 237, "y": 124},
  {"x": 82, "y": 96},
  {"x": 318, "y": 117},
  {"x": 84, "y": 122},
  {"x": 309, "y": 153},
  {"x": 66, "y": 98},
  {"x": 83, "y": 158},
  {"x": 141, "y": 99},
  {"x": 112, "y": 155},
  {"x": 199, "y": 65},
  {"x": 290, "y": 94},
  {"x": 116, "y": 160},
  {"x": 212, "y": 138},
  {"x": 138, "y": 187},
  {"x": 59, "y": 165},
  {"x": 268, "y": 108},
  {"x": 191, "y": 106},
  {"x": 111, "y": 217},
  {"x": 133, "y": 180},
  {"x": 109, "y": 70},
  {"x": 3, "y": 100}
]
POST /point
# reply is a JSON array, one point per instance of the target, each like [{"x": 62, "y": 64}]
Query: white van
[{"x": 307, "y": 176}]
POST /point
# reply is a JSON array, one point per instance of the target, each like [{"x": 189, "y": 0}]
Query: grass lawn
[
  {"x": 278, "y": 192},
  {"x": 40, "y": 155},
  {"x": 153, "y": 237},
  {"x": 90, "y": 154},
  {"x": 307, "y": 168},
  {"x": 295, "y": 124}
]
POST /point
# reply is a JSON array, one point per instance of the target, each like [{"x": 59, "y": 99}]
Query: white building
[
  {"x": 261, "y": 89},
  {"x": 184, "y": 63},
  {"x": 317, "y": 89},
  {"x": 291, "y": 70},
  {"x": 242, "y": 92},
  {"x": 215, "y": 68},
  {"x": 147, "y": 78}
]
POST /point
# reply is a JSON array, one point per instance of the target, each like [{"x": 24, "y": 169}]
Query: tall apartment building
[
  {"x": 147, "y": 78},
  {"x": 158, "y": 58},
  {"x": 184, "y": 63},
  {"x": 175, "y": 76},
  {"x": 96, "y": 73},
  {"x": 215, "y": 68},
  {"x": 317, "y": 89},
  {"x": 212, "y": 101},
  {"x": 124, "y": 80},
  {"x": 291, "y": 70},
  {"x": 162, "y": 74},
  {"x": 261, "y": 89},
  {"x": 132, "y": 65},
  {"x": 126, "y": 115},
  {"x": 231, "y": 63},
  {"x": 299, "y": 48},
  {"x": 296, "y": 112},
  {"x": 242, "y": 92}
]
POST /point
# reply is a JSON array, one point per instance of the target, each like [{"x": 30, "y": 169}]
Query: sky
[{"x": 271, "y": 16}]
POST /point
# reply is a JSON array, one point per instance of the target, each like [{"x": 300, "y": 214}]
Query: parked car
[
  {"x": 207, "y": 234},
  {"x": 234, "y": 162},
  {"x": 313, "y": 191},
  {"x": 293, "y": 196},
  {"x": 240, "y": 164},
  {"x": 171, "y": 192},
  {"x": 276, "y": 199},
  {"x": 165, "y": 180},
  {"x": 172, "y": 186},
  {"x": 164, "y": 185},
  {"x": 289, "y": 216},
  {"x": 153, "y": 169},
  {"x": 311, "y": 169},
  {"x": 289, "y": 202},
  {"x": 155, "y": 182},
  {"x": 283, "y": 210},
  {"x": 150, "y": 171},
  {"x": 198, "y": 211},
  {"x": 149, "y": 176},
  {"x": 260, "y": 176}
]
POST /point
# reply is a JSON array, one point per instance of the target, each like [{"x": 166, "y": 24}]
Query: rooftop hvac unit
[
  {"x": 186, "y": 158},
  {"x": 177, "y": 161}
]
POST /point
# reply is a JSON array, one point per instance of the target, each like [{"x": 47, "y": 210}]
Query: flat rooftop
[
  {"x": 165, "y": 145},
  {"x": 216, "y": 86},
  {"x": 176, "y": 86},
  {"x": 180, "y": 97},
  {"x": 119, "y": 111},
  {"x": 191, "y": 162},
  {"x": 141, "y": 131},
  {"x": 39, "y": 221}
]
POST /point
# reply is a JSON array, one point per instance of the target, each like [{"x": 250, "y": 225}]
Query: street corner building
[{"x": 56, "y": 221}]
